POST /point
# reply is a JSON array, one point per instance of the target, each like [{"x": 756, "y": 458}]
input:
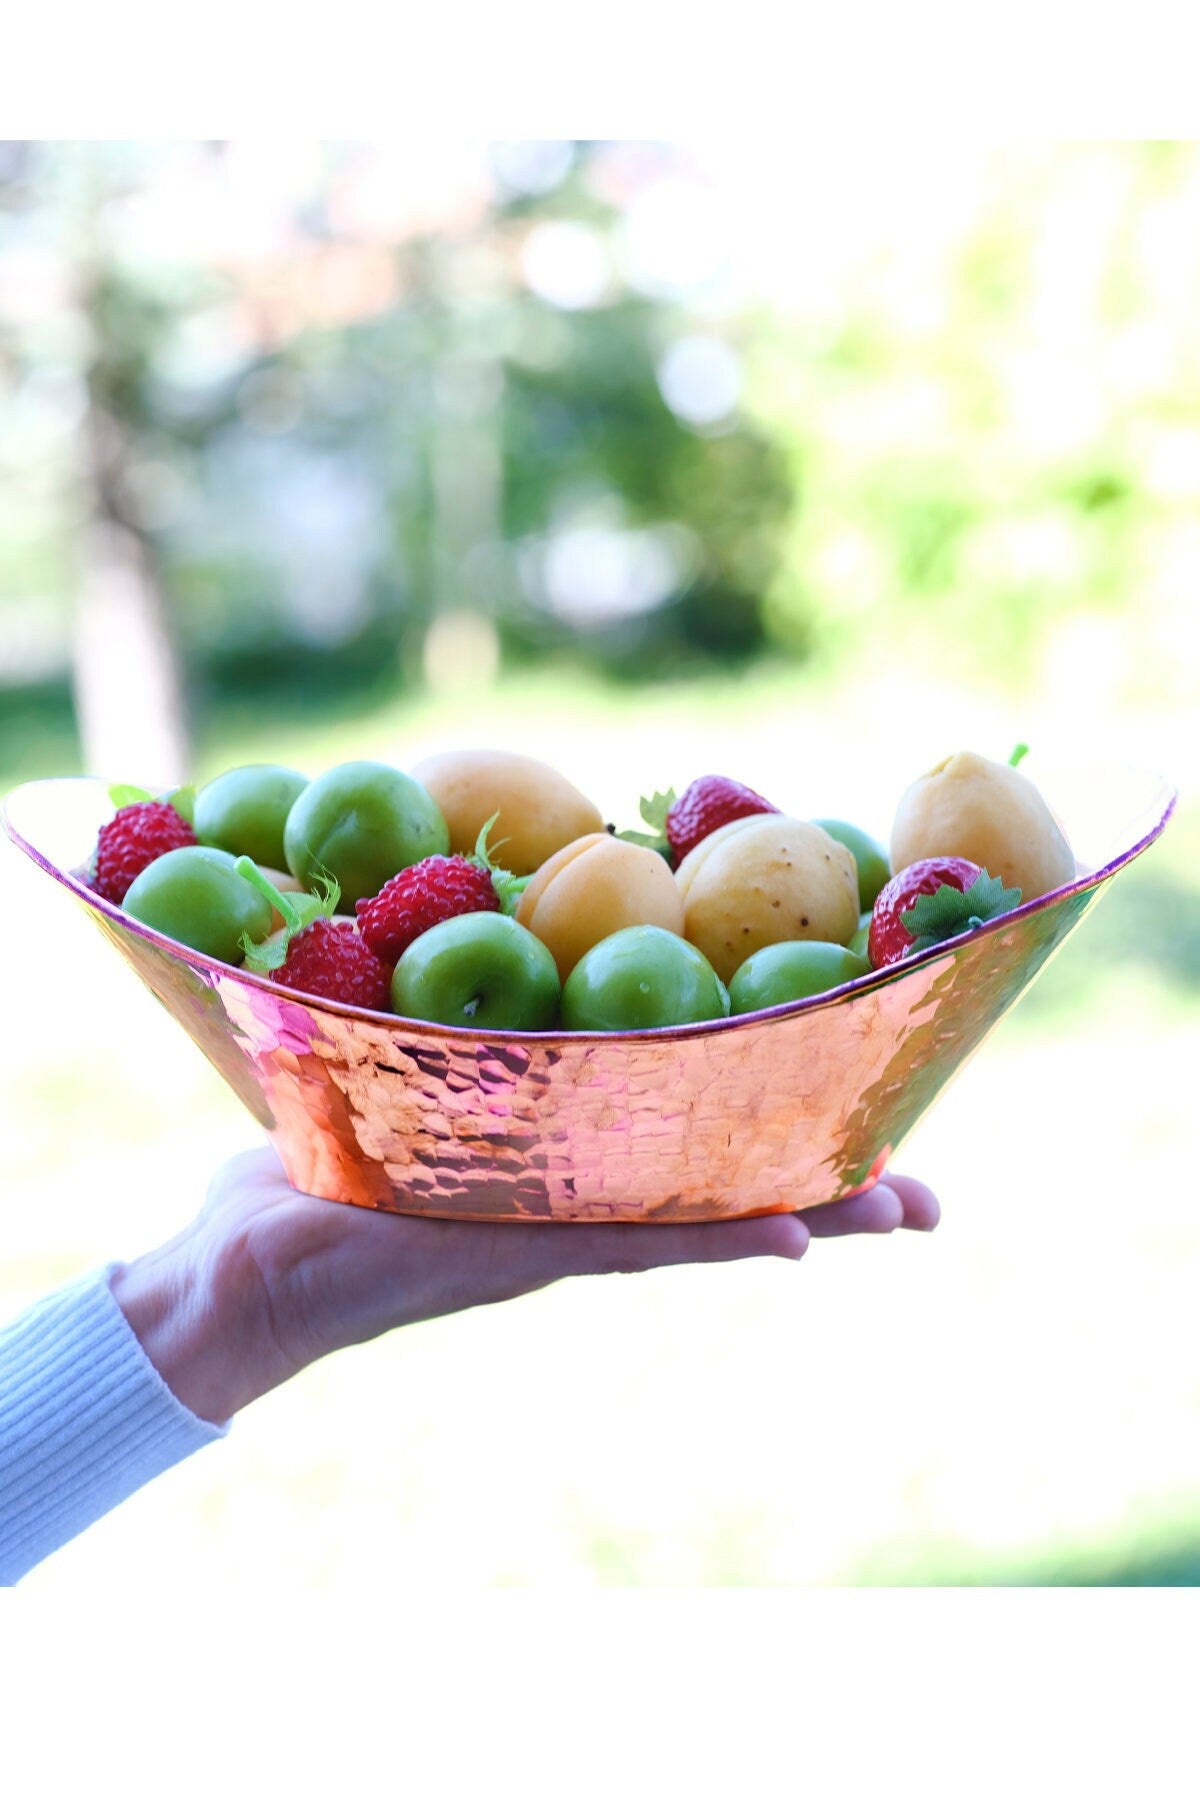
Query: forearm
[{"x": 85, "y": 1420}]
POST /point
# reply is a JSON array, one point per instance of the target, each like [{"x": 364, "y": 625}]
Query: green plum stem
[
  {"x": 250, "y": 871},
  {"x": 1020, "y": 751}
]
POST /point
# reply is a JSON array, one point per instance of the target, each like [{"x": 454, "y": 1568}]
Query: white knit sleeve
[{"x": 85, "y": 1420}]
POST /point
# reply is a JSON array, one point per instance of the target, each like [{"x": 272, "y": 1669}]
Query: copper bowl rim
[{"x": 861, "y": 984}]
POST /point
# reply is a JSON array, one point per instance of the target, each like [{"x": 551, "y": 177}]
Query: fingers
[
  {"x": 897, "y": 1202},
  {"x": 922, "y": 1210},
  {"x": 429, "y": 1266},
  {"x": 880, "y": 1209},
  {"x": 631, "y": 1249}
]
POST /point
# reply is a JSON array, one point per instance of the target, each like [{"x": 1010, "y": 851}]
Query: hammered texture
[{"x": 776, "y": 1112}]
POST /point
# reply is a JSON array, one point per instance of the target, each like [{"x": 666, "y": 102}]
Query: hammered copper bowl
[{"x": 772, "y": 1112}]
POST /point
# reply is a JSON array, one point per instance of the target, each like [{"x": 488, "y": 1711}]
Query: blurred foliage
[
  {"x": 619, "y": 408},
  {"x": 430, "y": 434}
]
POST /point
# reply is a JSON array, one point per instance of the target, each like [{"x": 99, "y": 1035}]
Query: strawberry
[
  {"x": 314, "y": 952},
  {"x": 931, "y": 901},
  {"x": 433, "y": 890},
  {"x": 703, "y": 807},
  {"x": 129, "y": 842},
  {"x": 439, "y": 888},
  {"x": 329, "y": 959}
]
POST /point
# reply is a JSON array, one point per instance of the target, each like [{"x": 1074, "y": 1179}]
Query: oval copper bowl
[{"x": 772, "y": 1112}]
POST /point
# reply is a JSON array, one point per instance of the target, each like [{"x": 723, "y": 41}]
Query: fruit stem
[
  {"x": 1020, "y": 751},
  {"x": 250, "y": 871},
  {"x": 509, "y": 887}
]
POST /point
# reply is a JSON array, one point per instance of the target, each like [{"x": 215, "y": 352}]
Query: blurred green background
[{"x": 649, "y": 459}]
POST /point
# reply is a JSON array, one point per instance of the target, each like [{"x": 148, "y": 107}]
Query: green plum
[
  {"x": 245, "y": 809},
  {"x": 196, "y": 896},
  {"x": 792, "y": 971},
  {"x": 362, "y": 822},
  {"x": 874, "y": 869},
  {"x": 639, "y": 979},
  {"x": 480, "y": 969},
  {"x": 858, "y": 943}
]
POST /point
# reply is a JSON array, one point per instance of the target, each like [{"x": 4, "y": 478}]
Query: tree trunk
[
  {"x": 126, "y": 670},
  {"x": 125, "y": 667}
]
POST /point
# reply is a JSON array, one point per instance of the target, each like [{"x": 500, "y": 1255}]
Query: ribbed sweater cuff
[{"x": 85, "y": 1420}]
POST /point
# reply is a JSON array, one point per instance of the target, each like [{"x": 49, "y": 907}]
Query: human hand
[{"x": 267, "y": 1280}]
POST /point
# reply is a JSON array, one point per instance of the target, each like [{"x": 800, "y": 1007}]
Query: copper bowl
[{"x": 770, "y": 1112}]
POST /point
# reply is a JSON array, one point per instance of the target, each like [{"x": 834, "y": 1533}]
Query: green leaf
[
  {"x": 122, "y": 795},
  {"x": 183, "y": 799},
  {"x": 509, "y": 889},
  {"x": 654, "y": 813},
  {"x": 485, "y": 853},
  {"x": 933, "y": 918},
  {"x": 262, "y": 958},
  {"x": 640, "y": 837},
  {"x": 298, "y": 911}
]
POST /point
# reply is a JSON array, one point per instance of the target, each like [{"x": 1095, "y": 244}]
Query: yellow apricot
[
  {"x": 539, "y": 882},
  {"x": 540, "y": 810},
  {"x": 988, "y": 812},
  {"x": 695, "y": 859},
  {"x": 596, "y": 886},
  {"x": 775, "y": 880}
]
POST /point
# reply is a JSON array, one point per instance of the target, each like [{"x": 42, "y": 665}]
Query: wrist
[{"x": 195, "y": 1309}]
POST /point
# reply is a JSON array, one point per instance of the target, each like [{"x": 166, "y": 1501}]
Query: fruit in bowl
[
  {"x": 360, "y": 823},
  {"x": 594, "y": 887},
  {"x": 196, "y": 896},
  {"x": 780, "y": 973},
  {"x": 536, "y": 810},
  {"x": 480, "y": 970},
  {"x": 870, "y": 858},
  {"x": 766, "y": 879},
  {"x": 930, "y": 902},
  {"x": 991, "y": 814},
  {"x": 747, "y": 877},
  {"x": 641, "y": 979},
  {"x": 451, "y": 1082}
]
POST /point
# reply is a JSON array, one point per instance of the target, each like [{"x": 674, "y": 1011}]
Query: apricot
[
  {"x": 695, "y": 859},
  {"x": 988, "y": 812},
  {"x": 539, "y": 810},
  {"x": 766, "y": 880},
  {"x": 592, "y": 887}
]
